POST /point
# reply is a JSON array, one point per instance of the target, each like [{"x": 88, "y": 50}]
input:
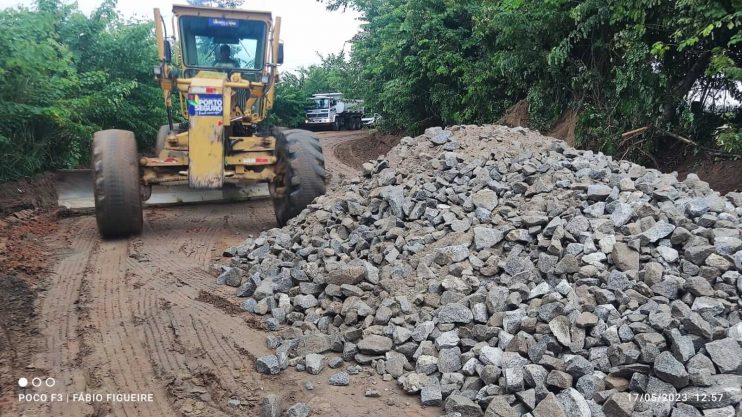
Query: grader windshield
[{"x": 223, "y": 44}]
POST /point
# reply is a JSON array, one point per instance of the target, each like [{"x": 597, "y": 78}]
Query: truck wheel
[
  {"x": 336, "y": 125},
  {"x": 116, "y": 185},
  {"x": 300, "y": 173}
]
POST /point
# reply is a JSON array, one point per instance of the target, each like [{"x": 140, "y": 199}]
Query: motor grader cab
[{"x": 222, "y": 66}]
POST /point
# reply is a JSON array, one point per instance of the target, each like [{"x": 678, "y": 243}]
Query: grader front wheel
[
  {"x": 301, "y": 173},
  {"x": 118, "y": 199}
]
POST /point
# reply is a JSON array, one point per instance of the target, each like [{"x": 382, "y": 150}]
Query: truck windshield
[
  {"x": 222, "y": 43},
  {"x": 322, "y": 103}
]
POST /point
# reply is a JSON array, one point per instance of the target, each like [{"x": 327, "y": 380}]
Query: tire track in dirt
[
  {"x": 59, "y": 312},
  {"x": 118, "y": 353}
]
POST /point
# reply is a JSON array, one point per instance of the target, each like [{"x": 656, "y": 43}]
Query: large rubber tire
[
  {"x": 300, "y": 158},
  {"x": 118, "y": 200}
]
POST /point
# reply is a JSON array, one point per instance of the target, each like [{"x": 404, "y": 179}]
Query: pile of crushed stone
[{"x": 497, "y": 272}]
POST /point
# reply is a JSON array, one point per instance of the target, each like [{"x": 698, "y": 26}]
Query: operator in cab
[{"x": 224, "y": 58}]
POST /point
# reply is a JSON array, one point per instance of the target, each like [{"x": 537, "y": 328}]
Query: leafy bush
[{"x": 63, "y": 76}]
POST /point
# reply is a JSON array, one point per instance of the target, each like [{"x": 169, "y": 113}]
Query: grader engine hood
[{"x": 206, "y": 103}]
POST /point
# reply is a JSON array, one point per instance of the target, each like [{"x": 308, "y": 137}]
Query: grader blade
[{"x": 75, "y": 192}]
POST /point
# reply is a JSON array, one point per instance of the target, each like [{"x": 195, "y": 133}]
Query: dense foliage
[
  {"x": 621, "y": 64},
  {"x": 64, "y": 75}
]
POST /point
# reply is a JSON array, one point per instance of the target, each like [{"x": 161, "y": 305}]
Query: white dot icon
[{"x": 22, "y": 382}]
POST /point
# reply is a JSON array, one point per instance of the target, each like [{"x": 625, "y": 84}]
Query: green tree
[
  {"x": 622, "y": 63},
  {"x": 64, "y": 75}
]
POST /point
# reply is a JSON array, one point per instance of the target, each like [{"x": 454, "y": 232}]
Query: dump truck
[
  {"x": 330, "y": 110},
  {"x": 221, "y": 67}
]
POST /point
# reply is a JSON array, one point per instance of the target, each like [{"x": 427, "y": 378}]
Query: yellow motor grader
[{"x": 223, "y": 66}]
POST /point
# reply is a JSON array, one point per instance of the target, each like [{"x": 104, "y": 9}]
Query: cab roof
[{"x": 183, "y": 10}]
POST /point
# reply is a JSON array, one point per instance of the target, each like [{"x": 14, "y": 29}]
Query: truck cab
[{"x": 331, "y": 110}]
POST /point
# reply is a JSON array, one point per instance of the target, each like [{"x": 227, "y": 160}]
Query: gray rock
[
  {"x": 375, "y": 344},
  {"x": 578, "y": 366},
  {"x": 684, "y": 410},
  {"x": 422, "y": 331},
  {"x": 549, "y": 407},
  {"x": 698, "y": 254},
  {"x": 670, "y": 255},
  {"x": 340, "y": 379},
  {"x": 426, "y": 364},
  {"x": 491, "y": 356},
  {"x": 726, "y": 354},
  {"x": 268, "y": 365},
  {"x": 620, "y": 404},
  {"x": 486, "y": 237},
  {"x": 621, "y": 215},
  {"x": 306, "y": 301},
  {"x": 299, "y": 410},
  {"x": 485, "y": 198},
  {"x": 231, "y": 277},
  {"x": 624, "y": 257},
  {"x": 413, "y": 382},
  {"x": 430, "y": 395},
  {"x": 559, "y": 379},
  {"x": 499, "y": 407},
  {"x": 455, "y": 313},
  {"x": 449, "y": 360},
  {"x": 573, "y": 403},
  {"x": 347, "y": 274},
  {"x": 513, "y": 379},
  {"x": 567, "y": 265},
  {"x": 560, "y": 328},
  {"x": 659, "y": 231},
  {"x": 598, "y": 192},
  {"x": 459, "y": 404},
  {"x": 336, "y": 362},
  {"x": 448, "y": 339},
  {"x": 314, "y": 363},
  {"x": 439, "y": 137},
  {"x": 667, "y": 368},
  {"x": 727, "y": 245},
  {"x": 449, "y": 254}
]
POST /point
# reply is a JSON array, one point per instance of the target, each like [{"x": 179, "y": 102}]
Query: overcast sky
[{"x": 307, "y": 27}]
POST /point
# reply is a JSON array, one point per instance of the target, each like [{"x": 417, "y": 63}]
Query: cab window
[{"x": 221, "y": 43}]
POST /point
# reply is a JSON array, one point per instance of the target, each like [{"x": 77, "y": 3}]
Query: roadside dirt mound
[
  {"x": 357, "y": 152},
  {"x": 517, "y": 115},
  {"x": 28, "y": 193},
  {"x": 21, "y": 243},
  {"x": 564, "y": 128},
  {"x": 723, "y": 175}
]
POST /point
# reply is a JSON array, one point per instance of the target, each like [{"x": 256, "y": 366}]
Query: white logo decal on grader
[{"x": 225, "y": 73}]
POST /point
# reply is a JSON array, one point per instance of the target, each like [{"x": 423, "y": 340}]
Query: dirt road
[{"x": 145, "y": 316}]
